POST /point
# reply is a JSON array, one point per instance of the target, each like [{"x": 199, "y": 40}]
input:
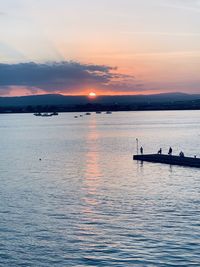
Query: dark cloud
[{"x": 64, "y": 76}]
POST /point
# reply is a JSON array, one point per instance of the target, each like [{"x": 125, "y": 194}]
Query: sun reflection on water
[{"x": 92, "y": 175}]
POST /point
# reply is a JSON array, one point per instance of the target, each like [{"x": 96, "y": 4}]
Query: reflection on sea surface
[
  {"x": 92, "y": 175},
  {"x": 88, "y": 226}
]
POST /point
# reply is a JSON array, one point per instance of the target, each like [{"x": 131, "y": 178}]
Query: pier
[{"x": 169, "y": 159}]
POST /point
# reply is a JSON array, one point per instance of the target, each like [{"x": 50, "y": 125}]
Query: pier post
[{"x": 137, "y": 145}]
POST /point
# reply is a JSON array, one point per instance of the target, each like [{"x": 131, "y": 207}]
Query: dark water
[{"x": 87, "y": 203}]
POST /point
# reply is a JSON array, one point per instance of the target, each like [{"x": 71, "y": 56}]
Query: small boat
[
  {"x": 88, "y": 113},
  {"x": 98, "y": 112},
  {"x": 54, "y": 113},
  {"x": 75, "y": 117},
  {"x": 46, "y": 115},
  {"x": 169, "y": 159},
  {"x": 108, "y": 112}
]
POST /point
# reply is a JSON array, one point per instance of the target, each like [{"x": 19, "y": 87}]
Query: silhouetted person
[
  {"x": 181, "y": 154},
  {"x": 160, "y": 151},
  {"x": 170, "y": 151},
  {"x": 141, "y": 150}
]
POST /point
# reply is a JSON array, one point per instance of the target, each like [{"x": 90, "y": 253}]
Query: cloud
[
  {"x": 63, "y": 77},
  {"x": 189, "y": 5},
  {"x": 181, "y": 34}
]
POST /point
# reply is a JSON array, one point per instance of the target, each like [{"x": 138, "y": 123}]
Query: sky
[{"x": 112, "y": 47}]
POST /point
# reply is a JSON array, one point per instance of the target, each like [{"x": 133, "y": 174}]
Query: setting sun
[{"x": 92, "y": 94}]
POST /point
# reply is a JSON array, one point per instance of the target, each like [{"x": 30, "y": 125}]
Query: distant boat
[
  {"x": 169, "y": 159},
  {"x": 88, "y": 113},
  {"x": 108, "y": 112},
  {"x": 75, "y": 117},
  {"x": 98, "y": 112},
  {"x": 55, "y": 113},
  {"x": 45, "y": 114}
]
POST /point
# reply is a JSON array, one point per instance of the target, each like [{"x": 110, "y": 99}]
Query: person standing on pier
[
  {"x": 141, "y": 150},
  {"x": 170, "y": 151}
]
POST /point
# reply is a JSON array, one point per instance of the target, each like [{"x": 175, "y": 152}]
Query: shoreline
[{"x": 24, "y": 110}]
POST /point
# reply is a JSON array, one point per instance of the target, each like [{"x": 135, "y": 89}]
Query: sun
[{"x": 92, "y": 94}]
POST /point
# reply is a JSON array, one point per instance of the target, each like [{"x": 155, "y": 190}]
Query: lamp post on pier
[{"x": 137, "y": 145}]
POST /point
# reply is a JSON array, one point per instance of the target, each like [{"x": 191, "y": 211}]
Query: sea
[{"x": 71, "y": 194}]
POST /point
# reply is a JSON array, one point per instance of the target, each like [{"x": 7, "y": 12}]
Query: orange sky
[{"x": 149, "y": 40}]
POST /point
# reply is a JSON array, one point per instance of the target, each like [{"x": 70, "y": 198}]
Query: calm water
[{"x": 87, "y": 203}]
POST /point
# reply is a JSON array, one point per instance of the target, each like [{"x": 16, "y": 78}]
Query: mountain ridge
[{"x": 63, "y": 100}]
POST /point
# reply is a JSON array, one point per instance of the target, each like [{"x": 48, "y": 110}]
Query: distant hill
[{"x": 61, "y": 100}]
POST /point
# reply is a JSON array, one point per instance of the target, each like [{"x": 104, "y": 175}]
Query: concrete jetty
[{"x": 169, "y": 159}]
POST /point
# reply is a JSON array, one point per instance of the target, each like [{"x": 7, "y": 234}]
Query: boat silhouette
[{"x": 46, "y": 114}]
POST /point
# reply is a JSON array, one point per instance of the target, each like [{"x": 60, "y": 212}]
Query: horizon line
[{"x": 99, "y": 95}]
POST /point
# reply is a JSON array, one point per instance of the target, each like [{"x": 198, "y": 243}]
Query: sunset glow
[
  {"x": 92, "y": 94},
  {"x": 117, "y": 47}
]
